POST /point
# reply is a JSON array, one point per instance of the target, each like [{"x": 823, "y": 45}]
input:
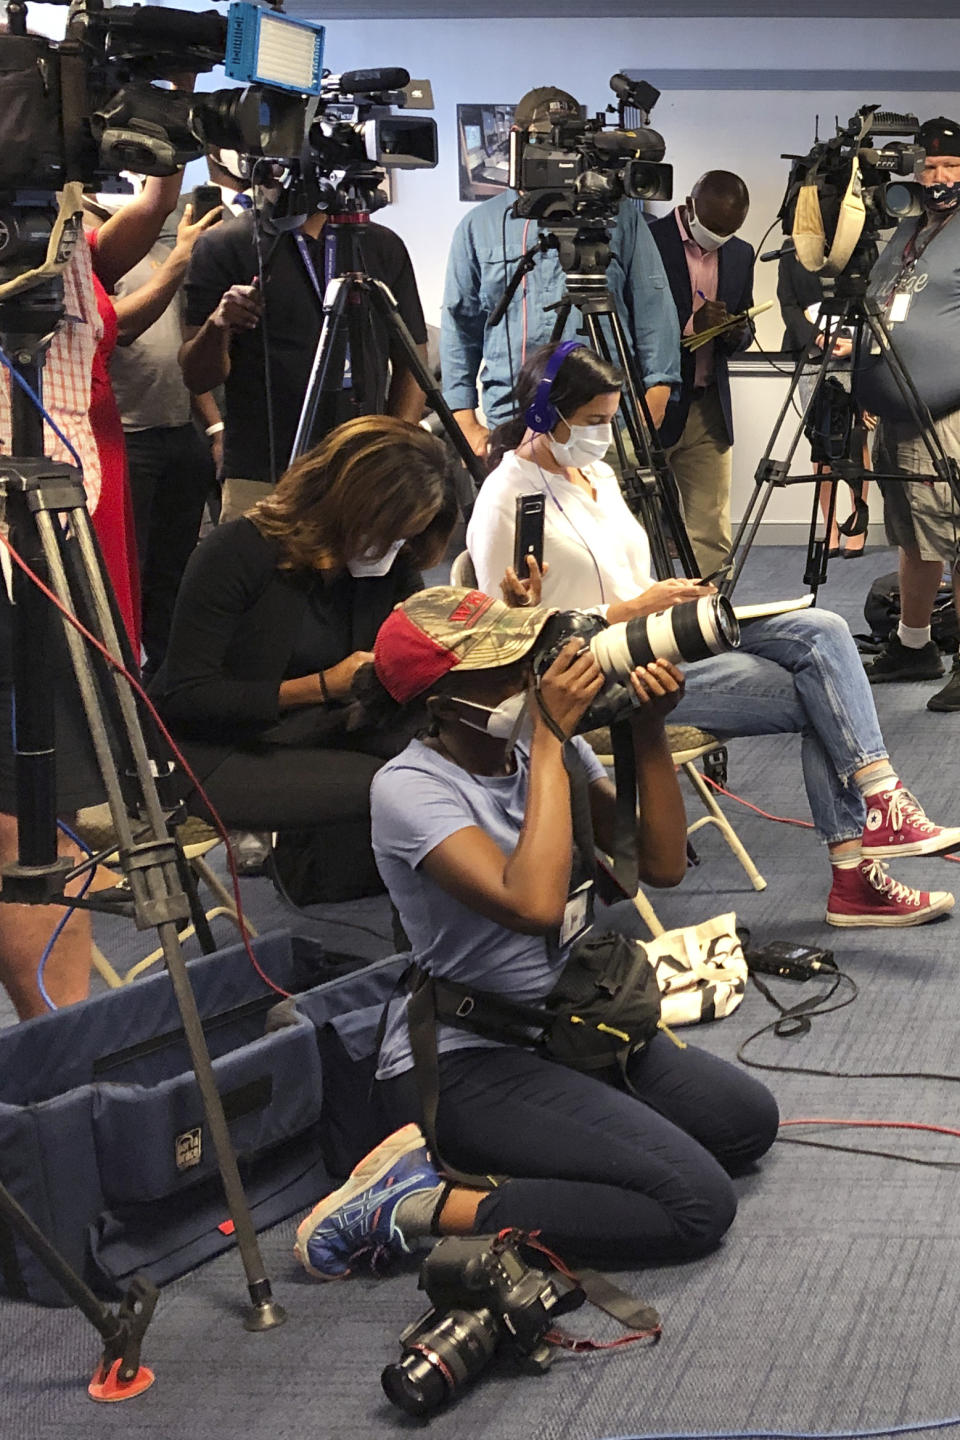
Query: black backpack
[{"x": 881, "y": 610}]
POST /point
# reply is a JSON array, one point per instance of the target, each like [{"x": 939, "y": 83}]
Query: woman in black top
[{"x": 275, "y": 614}]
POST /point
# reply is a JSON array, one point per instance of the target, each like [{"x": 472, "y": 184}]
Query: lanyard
[
  {"x": 329, "y": 271},
  {"x": 309, "y": 266},
  {"x": 912, "y": 251}
]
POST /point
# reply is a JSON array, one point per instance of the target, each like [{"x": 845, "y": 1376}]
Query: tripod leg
[
  {"x": 667, "y": 511},
  {"x": 328, "y": 361},
  {"x": 152, "y": 872},
  {"x": 385, "y": 305}
]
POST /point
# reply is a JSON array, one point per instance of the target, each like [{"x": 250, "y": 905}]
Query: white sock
[
  {"x": 878, "y": 782},
  {"x": 914, "y": 637},
  {"x": 849, "y": 860}
]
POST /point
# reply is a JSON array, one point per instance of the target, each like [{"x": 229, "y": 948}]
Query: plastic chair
[{"x": 462, "y": 571}]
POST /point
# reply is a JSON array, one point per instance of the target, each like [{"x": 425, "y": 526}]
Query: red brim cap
[{"x": 446, "y": 626}]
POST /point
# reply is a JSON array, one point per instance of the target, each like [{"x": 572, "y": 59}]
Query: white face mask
[
  {"x": 371, "y": 565},
  {"x": 511, "y": 720},
  {"x": 706, "y": 239},
  {"x": 584, "y": 445}
]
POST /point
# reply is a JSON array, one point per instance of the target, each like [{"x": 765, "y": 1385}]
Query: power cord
[{"x": 132, "y": 680}]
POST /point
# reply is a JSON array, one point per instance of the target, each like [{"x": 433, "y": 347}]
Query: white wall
[{"x": 742, "y": 130}]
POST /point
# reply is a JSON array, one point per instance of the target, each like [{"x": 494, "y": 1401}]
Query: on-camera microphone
[
  {"x": 787, "y": 248},
  {"x": 360, "y": 82}
]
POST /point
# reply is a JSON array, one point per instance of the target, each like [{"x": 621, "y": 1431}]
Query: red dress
[{"x": 113, "y": 517}]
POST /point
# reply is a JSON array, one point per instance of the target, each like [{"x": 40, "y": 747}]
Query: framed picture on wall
[{"x": 483, "y": 145}]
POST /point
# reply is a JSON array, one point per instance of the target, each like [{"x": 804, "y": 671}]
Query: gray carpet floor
[{"x": 833, "y": 1303}]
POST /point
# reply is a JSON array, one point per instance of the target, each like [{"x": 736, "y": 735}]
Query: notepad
[{"x": 772, "y": 607}]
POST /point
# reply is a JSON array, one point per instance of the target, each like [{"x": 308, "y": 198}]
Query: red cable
[
  {"x": 876, "y": 1125},
  {"x": 780, "y": 819},
  {"x": 783, "y": 819},
  {"x": 178, "y": 756}
]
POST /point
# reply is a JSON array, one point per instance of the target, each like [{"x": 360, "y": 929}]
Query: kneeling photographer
[
  {"x": 477, "y": 831},
  {"x": 276, "y": 612},
  {"x": 793, "y": 673}
]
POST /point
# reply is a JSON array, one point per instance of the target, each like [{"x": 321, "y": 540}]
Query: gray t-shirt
[
  {"x": 418, "y": 800},
  {"x": 146, "y": 377},
  {"x": 928, "y": 338}
]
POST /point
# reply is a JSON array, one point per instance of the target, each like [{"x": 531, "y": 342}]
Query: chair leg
[
  {"x": 217, "y": 888},
  {"x": 104, "y": 969},
  {"x": 715, "y": 816},
  {"x": 647, "y": 912}
]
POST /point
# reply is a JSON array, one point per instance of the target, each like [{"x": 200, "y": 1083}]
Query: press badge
[
  {"x": 577, "y": 914},
  {"x": 899, "y": 307}
]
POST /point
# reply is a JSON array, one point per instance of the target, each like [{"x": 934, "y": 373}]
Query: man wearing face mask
[
  {"x": 711, "y": 278},
  {"x": 916, "y": 281},
  {"x": 484, "y": 252}
]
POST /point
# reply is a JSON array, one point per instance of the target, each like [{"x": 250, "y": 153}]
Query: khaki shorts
[{"x": 919, "y": 514}]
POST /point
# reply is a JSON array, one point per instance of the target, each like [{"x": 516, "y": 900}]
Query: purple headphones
[{"x": 541, "y": 415}]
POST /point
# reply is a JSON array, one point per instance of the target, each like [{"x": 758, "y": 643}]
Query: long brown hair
[
  {"x": 583, "y": 375},
  {"x": 365, "y": 485}
]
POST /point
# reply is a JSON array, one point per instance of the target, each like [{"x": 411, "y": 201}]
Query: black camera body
[
  {"x": 357, "y": 136},
  {"x": 829, "y": 165},
  {"x": 580, "y": 169},
  {"x": 681, "y": 633},
  {"x": 483, "y": 1294}
]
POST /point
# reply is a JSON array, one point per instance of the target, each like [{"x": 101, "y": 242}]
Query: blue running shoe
[{"x": 359, "y": 1219}]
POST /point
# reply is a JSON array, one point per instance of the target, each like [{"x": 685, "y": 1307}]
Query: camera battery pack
[{"x": 789, "y": 961}]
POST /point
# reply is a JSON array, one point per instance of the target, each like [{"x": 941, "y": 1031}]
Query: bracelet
[
  {"x": 215, "y": 429},
  {"x": 323, "y": 688}
]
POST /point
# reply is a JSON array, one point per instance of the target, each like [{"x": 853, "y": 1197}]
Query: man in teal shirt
[{"x": 486, "y": 248}]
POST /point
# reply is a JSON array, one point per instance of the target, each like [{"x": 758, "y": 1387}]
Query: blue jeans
[{"x": 796, "y": 673}]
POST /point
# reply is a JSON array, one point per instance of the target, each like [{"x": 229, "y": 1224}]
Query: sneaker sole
[
  {"x": 933, "y": 846},
  {"x": 903, "y": 676},
  {"x": 941, "y": 708},
  {"x": 918, "y": 917},
  {"x": 370, "y": 1169}
]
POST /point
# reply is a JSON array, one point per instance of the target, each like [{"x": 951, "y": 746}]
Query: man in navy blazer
[{"x": 711, "y": 278}]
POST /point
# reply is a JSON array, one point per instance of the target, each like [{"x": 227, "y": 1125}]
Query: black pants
[
  {"x": 171, "y": 473},
  {"x": 602, "y": 1174},
  {"x": 317, "y": 798}
]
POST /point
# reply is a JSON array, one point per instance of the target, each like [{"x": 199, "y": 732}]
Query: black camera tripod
[
  {"x": 845, "y": 306},
  {"x": 350, "y": 303},
  {"x": 647, "y": 482},
  {"x": 51, "y": 530}
]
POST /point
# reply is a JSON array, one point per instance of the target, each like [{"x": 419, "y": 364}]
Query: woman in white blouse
[{"x": 798, "y": 672}]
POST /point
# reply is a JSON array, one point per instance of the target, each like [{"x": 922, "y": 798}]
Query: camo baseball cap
[{"x": 447, "y": 627}]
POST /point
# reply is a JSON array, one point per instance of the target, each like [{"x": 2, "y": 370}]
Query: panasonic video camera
[{"x": 576, "y": 168}]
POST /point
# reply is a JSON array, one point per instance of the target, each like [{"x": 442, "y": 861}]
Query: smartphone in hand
[
  {"x": 528, "y": 534},
  {"x": 204, "y": 199}
]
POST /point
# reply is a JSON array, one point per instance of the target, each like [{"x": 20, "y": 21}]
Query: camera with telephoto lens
[
  {"x": 681, "y": 633},
  {"x": 483, "y": 1295},
  {"x": 572, "y": 168}
]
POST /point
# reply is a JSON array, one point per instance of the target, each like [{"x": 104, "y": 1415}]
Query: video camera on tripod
[
  {"x": 87, "y": 108},
  {"x": 572, "y": 167},
  {"x": 839, "y": 195},
  {"x": 356, "y": 136}
]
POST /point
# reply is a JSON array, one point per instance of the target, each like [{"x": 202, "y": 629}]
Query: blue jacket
[
  {"x": 735, "y": 287},
  {"x": 477, "y": 276}
]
